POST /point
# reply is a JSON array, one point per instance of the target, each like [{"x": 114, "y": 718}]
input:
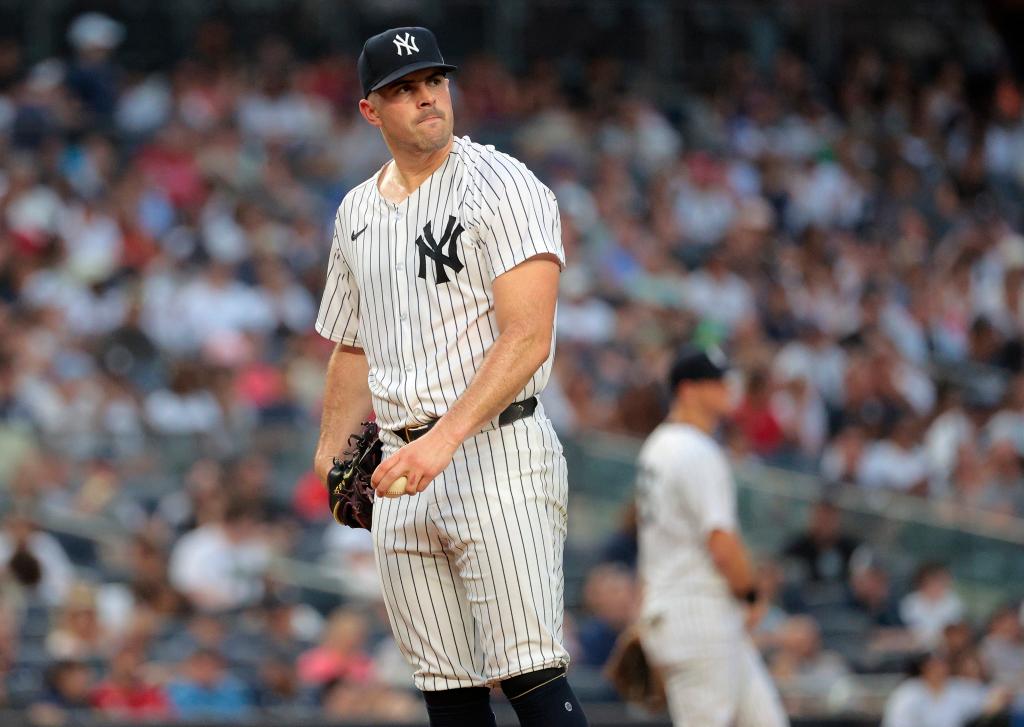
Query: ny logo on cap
[{"x": 408, "y": 42}]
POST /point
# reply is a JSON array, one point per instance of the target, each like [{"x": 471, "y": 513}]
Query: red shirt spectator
[
  {"x": 755, "y": 419},
  {"x": 341, "y": 655},
  {"x": 126, "y": 694}
]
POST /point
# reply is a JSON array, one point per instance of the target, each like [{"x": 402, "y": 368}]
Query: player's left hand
[{"x": 421, "y": 461}]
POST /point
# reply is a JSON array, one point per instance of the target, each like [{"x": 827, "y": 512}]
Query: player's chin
[{"x": 433, "y": 135}]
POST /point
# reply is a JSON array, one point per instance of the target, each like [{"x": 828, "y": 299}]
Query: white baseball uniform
[
  {"x": 692, "y": 628},
  {"x": 471, "y": 568}
]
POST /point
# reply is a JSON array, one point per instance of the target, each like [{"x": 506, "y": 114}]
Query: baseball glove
[
  {"x": 632, "y": 675},
  {"x": 348, "y": 482}
]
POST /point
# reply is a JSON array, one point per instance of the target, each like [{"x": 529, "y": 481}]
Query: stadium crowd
[{"x": 852, "y": 242}]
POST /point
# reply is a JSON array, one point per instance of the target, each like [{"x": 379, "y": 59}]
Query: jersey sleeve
[
  {"x": 338, "y": 317},
  {"x": 709, "y": 491},
  {"x": 521, "y": 218}
]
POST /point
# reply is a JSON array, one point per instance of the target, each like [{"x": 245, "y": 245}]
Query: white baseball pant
[{"x": 471, "y": 568}]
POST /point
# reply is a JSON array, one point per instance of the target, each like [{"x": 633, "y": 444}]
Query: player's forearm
[
  {"x": 516, "y": 355},
  {"x": 731, "y": 559},
  {"x": 346, "y": 403}
]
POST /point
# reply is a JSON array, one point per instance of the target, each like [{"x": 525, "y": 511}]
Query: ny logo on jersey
[
  {"x": 408, "y": 43},
  {"x": 428, "y": 247}
]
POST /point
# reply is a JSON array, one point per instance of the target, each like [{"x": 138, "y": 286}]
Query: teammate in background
[
  {"x": 440, "y": 295},
  {"x": 699, "y": 594}
]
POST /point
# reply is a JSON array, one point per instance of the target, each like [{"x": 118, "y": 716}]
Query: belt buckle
[{"x": 407, "y": 432}]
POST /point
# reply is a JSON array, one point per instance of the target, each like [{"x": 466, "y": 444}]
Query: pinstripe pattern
[
  {"x": 424, "y": 341},
  {"x": 471, "y": 568}
]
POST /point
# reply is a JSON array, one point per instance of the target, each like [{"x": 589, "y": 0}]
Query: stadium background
[{"x": 829, "y": 189}]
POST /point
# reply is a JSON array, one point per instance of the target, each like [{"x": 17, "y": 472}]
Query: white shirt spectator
[
  {"x": 194, "y": 412},
  {"x": 93, "y": 242},
  {"x": 1007, "y": 425},
  {"x": 826, "y": 196},
  {"x": 589, "y": 320},
  {"x": 35, "y": 211},
  {"x": 290, "y": 116},
  {"x": 823, "y": 365},
  {"x": 1004, "y": 659},
  {"x": 887, "y": 466},
  {"x": 725, "y": 299},
  {"x": 704, "y": 215},
  {"x": 210, "y": 307},
  {"x": 915, "y": 386},
  {"x": 927, "y": 618},
  {"x": 215, "y": 572},
  {"x": 57, "y": 571},
  {"x": 943, "y": 440},
  {"x": 913, "y": 704}
]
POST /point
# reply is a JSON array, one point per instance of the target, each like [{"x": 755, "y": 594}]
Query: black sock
[
  {"x": 465, "y": 707},
  {"x": 544, "y": 699}
]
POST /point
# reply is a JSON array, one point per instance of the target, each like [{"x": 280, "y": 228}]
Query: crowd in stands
[{"x": 853, "y": 241}]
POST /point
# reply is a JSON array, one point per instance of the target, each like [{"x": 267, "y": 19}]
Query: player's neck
[
  {"x": 409, "y": 169},
  {"x": 703, "y": 421}
]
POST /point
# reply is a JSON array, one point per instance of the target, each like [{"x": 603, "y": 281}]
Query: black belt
[{"x": 513, "y": 412}]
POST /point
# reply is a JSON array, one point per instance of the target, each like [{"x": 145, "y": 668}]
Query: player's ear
[{"x": 369, "y": 111}]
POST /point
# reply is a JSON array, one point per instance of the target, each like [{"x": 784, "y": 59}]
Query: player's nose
[{"x": 425, "y": 96}]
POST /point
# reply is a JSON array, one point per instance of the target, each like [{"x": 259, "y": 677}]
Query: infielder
[
  {"x": 697, "y": 581},
  {"x": 440, "y": 295}
]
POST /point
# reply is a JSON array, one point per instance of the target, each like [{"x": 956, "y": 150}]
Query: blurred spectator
[
  {"x": 35, "y": 559},
  {"x": 203, "y": 632},
  {"x": 67, "y": 691},
  {"x": 126, "y": 694},
  {"x": 219, "y": 566},
  {"x": 610, "y": 601},
  {"x": 895, "y": 463},
  {"x": 205, "y": 690},
  {"x": 823, "y": 552},
  {"x": 78, "y": 634},
  {"x": 932, "y": 698},
  {"x": 850, "y": 231},
  {"x": 870, "y": 593},
  {"x": 801, "y": 668},
  {"x": 92, "y": 77},
  {"x": 341, "y": 699},
  {"x": 341, "y": 653},
  {"x": 932, "y": 605},
  {"x": 755, "y": 417},
  {"x": 1002, "y": 648}
]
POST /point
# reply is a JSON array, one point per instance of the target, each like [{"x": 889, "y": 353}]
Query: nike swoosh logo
[{"x": 357, "y": 234}]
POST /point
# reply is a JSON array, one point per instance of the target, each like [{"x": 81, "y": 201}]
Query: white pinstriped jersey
[
  {"x": 410, "y": 283},
  {"x": 685, "y": 491}
]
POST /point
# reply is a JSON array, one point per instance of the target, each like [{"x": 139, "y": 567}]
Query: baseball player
[
  {"x": 440, "y": 296},
  {"x": 697, "y": 580}
]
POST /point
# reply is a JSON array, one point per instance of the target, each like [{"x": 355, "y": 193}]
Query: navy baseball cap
[
  {"x": 695, "y": 364},
  {"x": 388, "y": 56}
]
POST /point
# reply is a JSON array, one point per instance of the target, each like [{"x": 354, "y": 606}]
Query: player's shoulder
[
  {"x": 682, "y": 441},
  {"x": 494, "y": 169},
  {"x": 353, "y": 205},
  {"x": 358, "y": 193}
]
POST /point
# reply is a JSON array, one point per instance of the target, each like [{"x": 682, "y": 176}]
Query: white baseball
[{"x": 397, "y": 488}]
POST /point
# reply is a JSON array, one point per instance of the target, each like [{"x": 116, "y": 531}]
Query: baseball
[{"x": 397, "y": 488}]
